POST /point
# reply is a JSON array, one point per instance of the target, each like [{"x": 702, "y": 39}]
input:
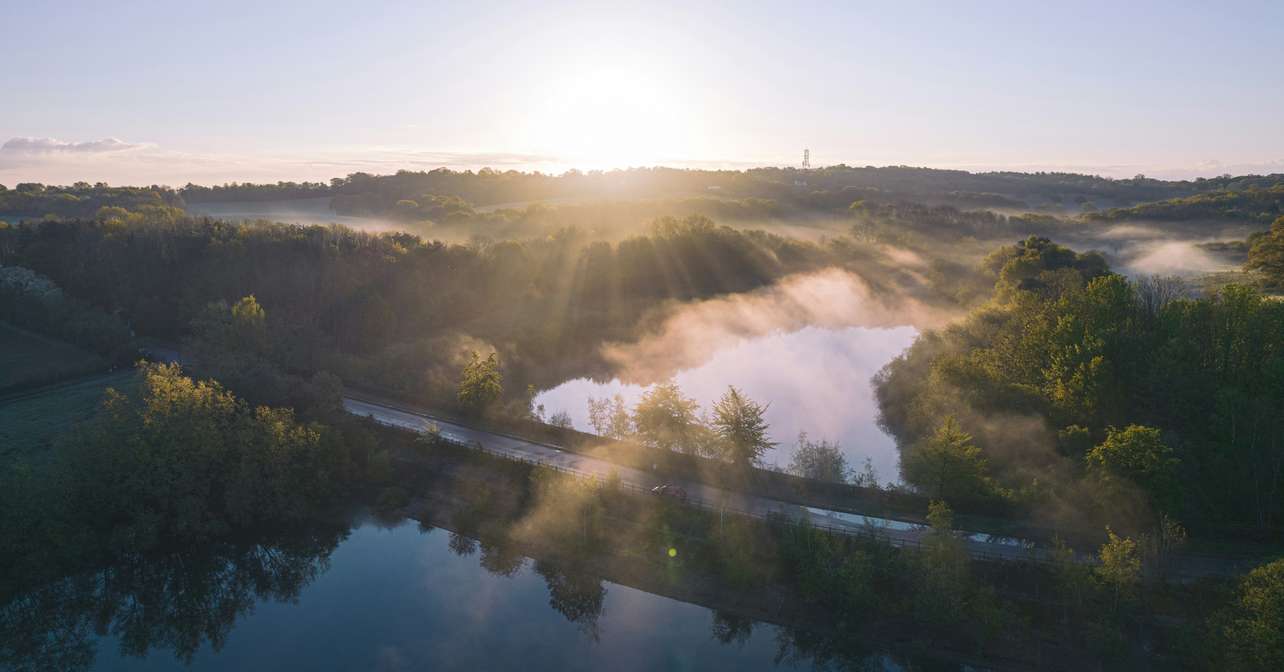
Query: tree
[
  {"x": 481, "y": 383},
  {"x": 867, "y": 477},
  {"x": 610, "y": 418},
  {"x": 728, "y": 627},
  {"x": 577, "y": 595},
  {"x": 1138, "y": 454},
  {"x": 943, "y": 576},
  {"x": 738, "y": 422},
  {"x": 819, "y": 460},
  {"x": 947, "y": 465},
  {"x": 1253, "y": 628},
  {"x": 1120, "y": 564},
  {"x": 665, "y": 419},
  {"x": 561, "y": 419},
  {"x": 1266, "y": 254}
]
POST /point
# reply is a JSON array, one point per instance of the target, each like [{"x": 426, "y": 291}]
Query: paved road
[
  {"x": 897, "y": 532},
  {"x": 980, "y": 545}
]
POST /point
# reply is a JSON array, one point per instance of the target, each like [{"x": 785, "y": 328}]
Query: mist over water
[{"x": 816, "y": 380}]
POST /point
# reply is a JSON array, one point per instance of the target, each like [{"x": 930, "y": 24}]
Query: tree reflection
[
  {"x": 728, "y": 627},
  {"x": 461, "y": 545},
  {"x": 175, "y": 601},
  {"x": 836, "y": 650},
  {"x": 501, "y": 558},
  {"x": 578, "y": 596}
]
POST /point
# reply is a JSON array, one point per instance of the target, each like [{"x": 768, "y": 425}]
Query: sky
[{"x": 168, "y": 93}]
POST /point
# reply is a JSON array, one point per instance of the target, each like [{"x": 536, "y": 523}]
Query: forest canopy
[{"x": 1084, "y": 389}]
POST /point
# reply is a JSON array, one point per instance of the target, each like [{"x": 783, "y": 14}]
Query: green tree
[
  {"x": 947, "y": 465},
  {"x": 221, "y": 330},
  {"x": 1253, "y": 628},
  {"x": 665, "y": 419},
  {"x": 820, "y": 460},
  {"x": 481, "y": 383},
  {"x": 1120, "y": 566},
  {"x": 739, "y": 423},
  {"x": 1266, "y": 255},
  {"x": 1138, "y": 454},
  {"x": 610, "y": 418},
  {"x": 943, "y": 570}
]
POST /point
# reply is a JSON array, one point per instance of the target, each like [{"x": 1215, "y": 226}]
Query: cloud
[
  {"x": 55, "y": 146},
  {"x": 55, "y": 161}
]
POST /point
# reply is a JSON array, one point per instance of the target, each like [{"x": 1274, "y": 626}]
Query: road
[
  {"x": 1185, "y": 566},
  {"x": 898, "y": 533}
]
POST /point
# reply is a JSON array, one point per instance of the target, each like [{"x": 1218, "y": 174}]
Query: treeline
[
  {"x": 1254, "y": 205},
  {"x": 490, "y": 187},
  {"x": 83, "y": 200},
  {"x": 179, "y": 462},
  {"x": 364, "y": 192},
  {"x": 1082, "y": 392},
  {"x": 36, "y": 303},
  {"x": 1266, "y": 255},
  {"x": 245, "y": 191},
  {"x": 395, "y": 311},
  {"x": 893, "y": 220},
  {"x": 177, "y": 498}
]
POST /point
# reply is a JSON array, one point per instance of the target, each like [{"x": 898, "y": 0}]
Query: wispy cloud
[
  {"x": 116, "y": 161},
  {"x": 29, "y": 146}
]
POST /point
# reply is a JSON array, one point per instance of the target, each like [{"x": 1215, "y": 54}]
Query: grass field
[
  {"x": 28, "y": 359},
  {"x": 29, "y": 422}
]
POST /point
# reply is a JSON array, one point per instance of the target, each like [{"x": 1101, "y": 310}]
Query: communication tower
[{"x": 806, "y": 159}]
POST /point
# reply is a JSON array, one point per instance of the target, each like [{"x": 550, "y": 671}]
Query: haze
[{"x": 212, "y": 92}]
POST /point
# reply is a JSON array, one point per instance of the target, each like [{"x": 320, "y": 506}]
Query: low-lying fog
[
  {"x": 302, "y": 211},
  {"x": 1138, "y": 249},
  {"x": 807, "y": 346}
]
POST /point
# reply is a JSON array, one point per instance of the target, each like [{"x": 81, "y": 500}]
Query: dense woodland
[
  {"x": 1083, "y": 392},
  {"x": 394, "y": 311},
  {"x": 1255, "y": 205},
  {"x": 1266, "y": 255},
  {"x": 81, "y": 199}
]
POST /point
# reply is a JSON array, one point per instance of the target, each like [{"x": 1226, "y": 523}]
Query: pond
[
  {"x": 816, "y": 380},
  {"x": 406, "y": 598}
]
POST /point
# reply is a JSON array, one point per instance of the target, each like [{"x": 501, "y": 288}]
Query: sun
[{"x": 613, "y": 115}]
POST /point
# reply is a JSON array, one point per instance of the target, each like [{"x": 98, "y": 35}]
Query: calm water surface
[
  {"x": 816, "y": 380},
  {"x": 404, "y": 599}
]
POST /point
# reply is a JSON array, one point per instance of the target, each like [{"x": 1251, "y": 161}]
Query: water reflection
[
  {"x": 817, "y": 380},
  {"x": 179, "y": 602},
  {"x": 379, "y": 595}
]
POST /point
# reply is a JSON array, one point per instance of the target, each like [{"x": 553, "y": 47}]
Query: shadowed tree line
[
  {"x": 179, "y": 462},
  {"x": 399, "y": 313}
]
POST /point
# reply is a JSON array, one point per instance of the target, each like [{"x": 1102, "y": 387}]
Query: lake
[
  {"x": 815, "y": 379},
  {"x": 401, "y": 598}
]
